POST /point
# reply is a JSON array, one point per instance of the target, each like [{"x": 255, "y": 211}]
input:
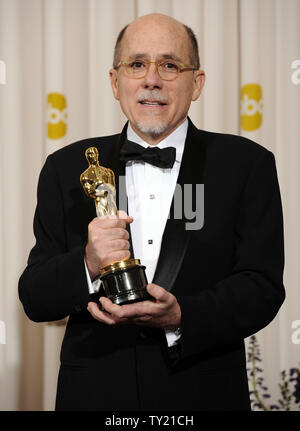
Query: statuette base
[{"x": 125, "y": 282}]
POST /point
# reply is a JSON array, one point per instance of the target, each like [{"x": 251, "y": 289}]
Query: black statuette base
[{"x": 126, "y": 285}]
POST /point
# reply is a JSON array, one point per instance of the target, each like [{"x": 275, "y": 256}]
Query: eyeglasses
[{"x": 168, "y": 70}]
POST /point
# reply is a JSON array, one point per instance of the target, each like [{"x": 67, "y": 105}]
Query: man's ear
[
  {"x": 199, "y": 80},
  {"x": 113, "y": 76}
]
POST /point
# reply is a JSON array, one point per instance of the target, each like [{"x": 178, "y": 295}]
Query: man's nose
[{"x": 152, "y": 78}]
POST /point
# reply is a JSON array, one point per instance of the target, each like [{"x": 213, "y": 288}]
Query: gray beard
[{"x": 153, "y": 131}]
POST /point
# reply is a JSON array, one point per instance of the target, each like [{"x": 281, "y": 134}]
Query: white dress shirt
[{"x": 150, "y": 191}]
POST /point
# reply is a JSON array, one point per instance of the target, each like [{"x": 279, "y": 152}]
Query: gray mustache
[{"x": 152, "y": 95}]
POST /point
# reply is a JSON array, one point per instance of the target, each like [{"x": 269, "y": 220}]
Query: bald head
[{"x": 154, "y": 22}]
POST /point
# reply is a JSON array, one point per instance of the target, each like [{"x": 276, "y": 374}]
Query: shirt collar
[{"x": 175, "y": 139}]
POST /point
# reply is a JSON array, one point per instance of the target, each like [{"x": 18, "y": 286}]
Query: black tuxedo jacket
[{"x": 227, "y": 278}]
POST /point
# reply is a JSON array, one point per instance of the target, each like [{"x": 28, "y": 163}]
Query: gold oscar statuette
[{"x": 123, "y": 281}]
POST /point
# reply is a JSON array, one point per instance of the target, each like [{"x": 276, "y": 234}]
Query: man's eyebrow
[
  {"x": 171, "y": 56},
  {"x": 167, "y": 56},
  {"x": 138, "y": 56}
]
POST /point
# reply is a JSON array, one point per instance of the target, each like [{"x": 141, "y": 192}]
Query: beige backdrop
[{"x": 56, "y": 54}]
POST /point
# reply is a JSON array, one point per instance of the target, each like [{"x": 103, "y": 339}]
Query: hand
[
  {"x": 107, "y": 242},
  {"x": 161, "y": 312}
]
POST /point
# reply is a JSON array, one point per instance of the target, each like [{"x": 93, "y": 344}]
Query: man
[{"x": 212, "y": 286}]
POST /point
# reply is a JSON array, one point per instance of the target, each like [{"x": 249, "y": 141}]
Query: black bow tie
[{"x": 161, "y": 157}]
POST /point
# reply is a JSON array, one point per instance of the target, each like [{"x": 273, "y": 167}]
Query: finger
[
  {"x": 159, "y": 293},
  {"x": 104, "y": 317},
  {"x": 127, "y": 311},
  {"x": 142, "y": 320},
  {"x": 115, "y": 233},
  {"x": 119, "y": 312},
  {"x": 110, "y": 233},
  {"x": 115, "y": 256},
  {"x": 109, "y": 221},
  {"x": 98, "y": 314},
  {"x": 114, "y": 310},
  {"x": 117, "y": 244}
]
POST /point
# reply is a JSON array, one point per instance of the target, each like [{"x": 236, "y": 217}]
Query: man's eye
[
  {"x": 137, "y": 65},
  {"x": 169, "y": 65}
]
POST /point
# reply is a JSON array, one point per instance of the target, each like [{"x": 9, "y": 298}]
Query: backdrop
[{"x": 54, "y": 90}]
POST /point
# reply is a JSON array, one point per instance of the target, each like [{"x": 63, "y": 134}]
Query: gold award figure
[
  {"x": 99, "y": 183},
  {"x": 123, "y": 281}
]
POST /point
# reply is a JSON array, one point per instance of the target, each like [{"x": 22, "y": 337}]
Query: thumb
[
  {"x": 158, "y": 292},
  {"x": 122, "y": 215}
]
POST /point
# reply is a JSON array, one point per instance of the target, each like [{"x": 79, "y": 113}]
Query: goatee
[{"x": 155, "y": 131}]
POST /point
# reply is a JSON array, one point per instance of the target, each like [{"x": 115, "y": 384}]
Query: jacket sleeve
[
  {"x": 53, "y": 285},
  {"x": 250, "y": 297}
]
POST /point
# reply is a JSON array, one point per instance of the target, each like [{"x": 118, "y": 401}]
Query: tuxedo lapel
[
  {"x": 176, "y": 236},
  {"x": 117, "y": 165}
]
